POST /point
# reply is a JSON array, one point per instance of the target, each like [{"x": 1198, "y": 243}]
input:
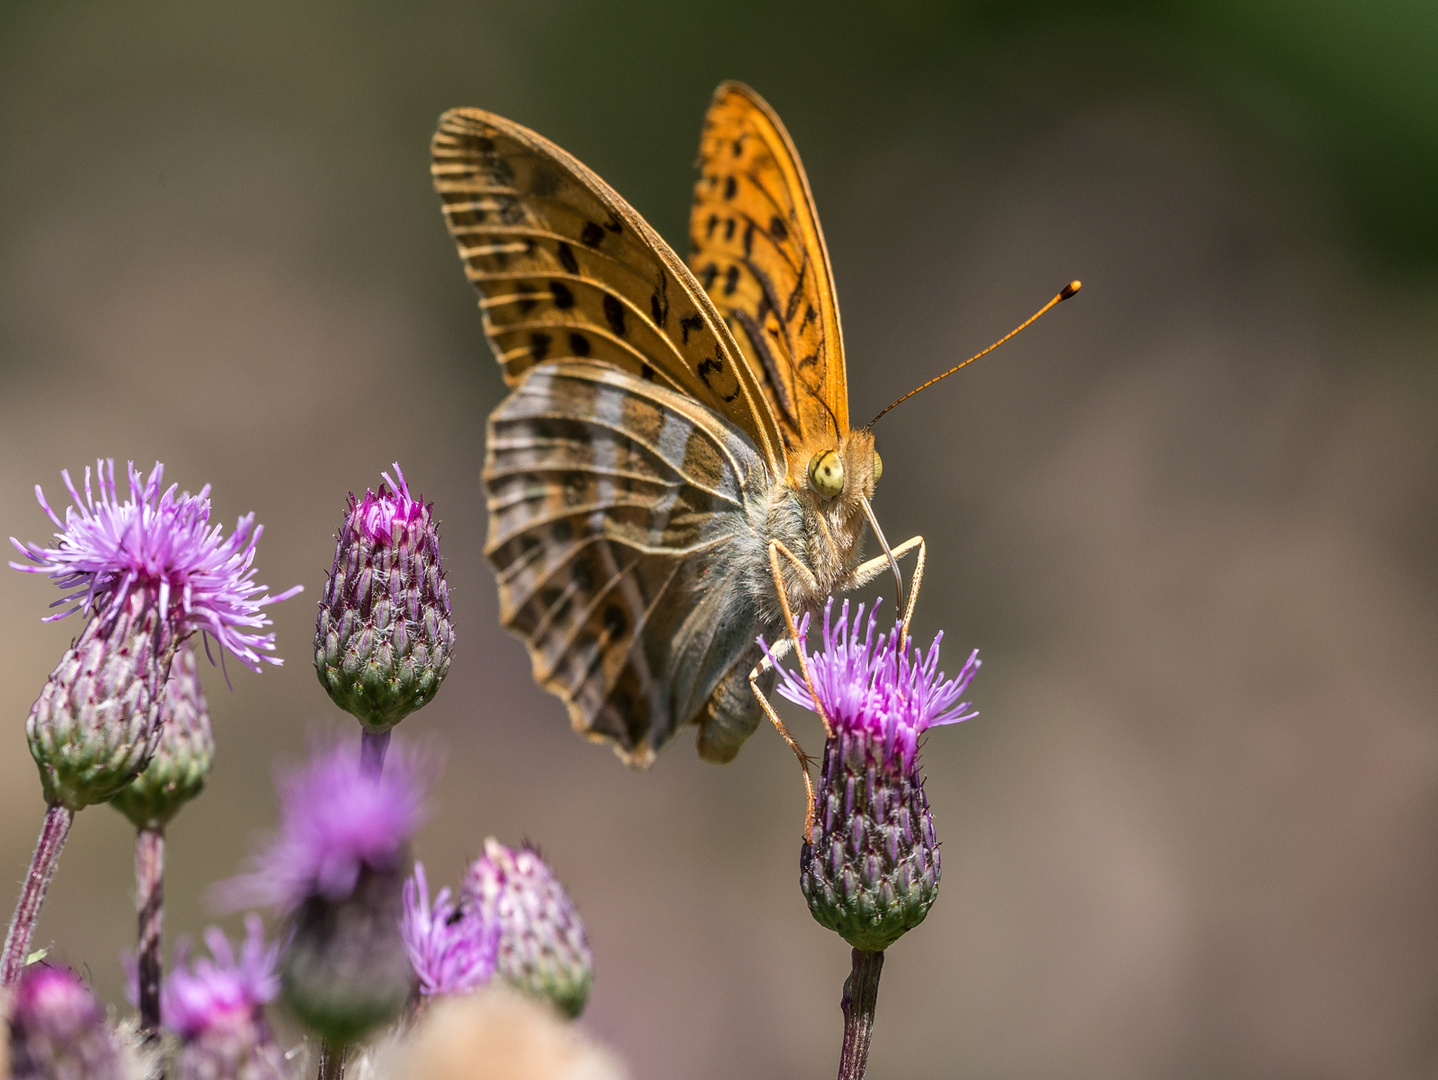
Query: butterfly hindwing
[
  {"x": 615, "y": 508},
  {"x": 756, "y": 248}
]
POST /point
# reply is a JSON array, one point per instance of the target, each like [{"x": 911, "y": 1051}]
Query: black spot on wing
[
  {"x": 563, "y": 298},
  {"x": 614, "y": 313},
  {"x": 731, "y": 279},
  {"x": 777, "y": 229},
  {"x": 567, "y": 259},
  {"x": 729, "y": 230},
  {"x": 707, "y": 276},
  {"x": 591, "y": 235},
  {"x": 730, "y": 186},
  {"x": 539, "y": 345},
  {"x": 578, "y": 344},
  {"x": 693, "y": 322}
]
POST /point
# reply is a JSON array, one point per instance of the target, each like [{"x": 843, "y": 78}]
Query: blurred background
[{"x": 1189, "y": 518}]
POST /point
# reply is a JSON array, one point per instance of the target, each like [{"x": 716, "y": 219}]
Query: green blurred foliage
[{"x": 1352, "y": 87}]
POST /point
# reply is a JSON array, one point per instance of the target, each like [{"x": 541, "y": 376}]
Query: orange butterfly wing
[
  {"x": 567, "y": 269},
  {"x": 756, "y": 247}
]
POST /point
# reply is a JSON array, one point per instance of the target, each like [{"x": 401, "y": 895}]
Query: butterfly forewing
[
  {"x": 757, "y": 250},
  {"x": 566, "y": 269},
  {"x": 605, "y": 493}
]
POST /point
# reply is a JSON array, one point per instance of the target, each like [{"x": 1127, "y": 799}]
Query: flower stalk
[
  {"x": 149, "y": 912},
  {"x": 37, "y": 882},
  {"x": 861, "y": 994}
]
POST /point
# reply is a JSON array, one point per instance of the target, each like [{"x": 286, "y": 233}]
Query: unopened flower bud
[
  {"x": 383, "y": 638},
  {"x": 543, "y": 949},
  {"x": 58, "y": 1029},
  {"x": 94, "y": 727},
  {"x": 183, "y": 754}
]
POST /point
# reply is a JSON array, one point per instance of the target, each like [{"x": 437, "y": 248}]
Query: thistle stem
[
  {"x": 42, "y": 868},
  {"x": 373, "y": 744},
  {"x": 861, "y": 993},
  {"x": 332, "y": 1059},
  {"x": 150, "y": 911}
]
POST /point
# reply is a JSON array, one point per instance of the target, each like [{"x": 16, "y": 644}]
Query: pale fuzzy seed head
[
  {"x": 494, "y": 1034},
  {"x": 161, "y": 543}
]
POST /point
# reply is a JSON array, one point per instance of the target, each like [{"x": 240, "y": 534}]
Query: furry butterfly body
[{"x": 675, "y": 449}]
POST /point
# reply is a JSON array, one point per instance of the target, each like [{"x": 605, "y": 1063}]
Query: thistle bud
[
  {"x": 183, "y": 754},
  {"x": 543, "y": 949},
  {"x": 58, "y": 1029},
  {"x": 336, "y": 869},
  {"x": 870, "y": 868},
  {"x": 383, "y": 638},
  {"x": 94, "y": 726}
]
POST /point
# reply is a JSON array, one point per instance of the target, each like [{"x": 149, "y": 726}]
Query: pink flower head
[
  {"x": 389, "y": 513},
  {"x": 224, "y": 988},
  {"x": 163, "y": 543},
  {"x": 336, "y": 819},
  {"x": 55, "y": 997},
  {"x": 452, "y": 947},
  {"x": 870, "y": 685}
]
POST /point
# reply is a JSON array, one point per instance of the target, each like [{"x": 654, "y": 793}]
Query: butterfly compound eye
[
  {"x": 878, "y": 467},
  {"x": 826, "y": 473}
]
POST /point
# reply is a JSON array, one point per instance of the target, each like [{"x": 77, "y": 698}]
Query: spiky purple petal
[
  {"x": 161, "y": 542},
  {"x": 452, "y": 946}
]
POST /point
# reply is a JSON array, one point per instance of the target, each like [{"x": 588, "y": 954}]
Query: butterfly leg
[
  {"x": 805, "y": 760},
  {"x": 776, "y": 548},
  {"x": 867, "y": 571}
]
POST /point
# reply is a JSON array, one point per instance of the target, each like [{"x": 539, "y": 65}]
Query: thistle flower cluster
[
  {"x": 871, "y": 870},
  {"x": 149, "y": 571}
]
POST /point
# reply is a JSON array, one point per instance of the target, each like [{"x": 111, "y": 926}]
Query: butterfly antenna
[
  {"x": 893, "y": 562},
  {"x": 1067, "y": 291}
]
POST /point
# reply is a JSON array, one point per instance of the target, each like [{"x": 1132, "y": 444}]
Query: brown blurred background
[{"x": 1189, "y": 518}]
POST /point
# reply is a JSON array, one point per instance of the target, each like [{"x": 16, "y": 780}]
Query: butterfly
[{"x": 673, "y": 473}]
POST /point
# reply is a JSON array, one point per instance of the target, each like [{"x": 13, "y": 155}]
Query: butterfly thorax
[{"x": 824, "y": 531}]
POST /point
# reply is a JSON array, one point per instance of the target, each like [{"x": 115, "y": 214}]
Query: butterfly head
[{"x": 840, "y": 475}]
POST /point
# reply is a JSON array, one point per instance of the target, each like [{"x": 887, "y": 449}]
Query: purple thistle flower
[
  {"x": 58, "y": 1029},
  {"x": 335, "y": 821},
  {"x": 452, "y": 946},
  {"x": 161, "y": 544},
  {"x": 869, "y": 867},
  {"x": 869, "y": 685},
  {"x": 211, "y": 991}
]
